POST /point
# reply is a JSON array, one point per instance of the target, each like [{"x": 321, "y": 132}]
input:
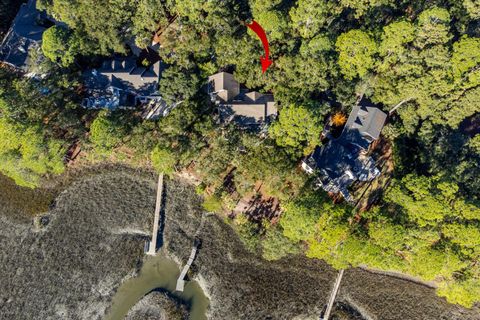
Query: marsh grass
[{"x": 71, "y": 267}]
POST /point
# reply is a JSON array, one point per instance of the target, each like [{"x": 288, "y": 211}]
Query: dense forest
[{"x": 422, "y": 56}]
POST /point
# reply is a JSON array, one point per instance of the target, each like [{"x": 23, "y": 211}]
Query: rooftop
[
  {"x": 124, "y": 79},
  {"x": 342, "y": 161},
  {"x": 125, "y": 74},
  {"x": 367, "y": 120},
  {"x": 246, "y": 108},
  {"x": 25, "y": 33}
]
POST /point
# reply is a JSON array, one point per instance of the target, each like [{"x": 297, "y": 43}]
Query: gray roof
[
  {"x": 338, "y": 165},
  {"x": 124, "y": 74},
  {"x": 341, "y": 161},
  {"x": 24, "y": 34},
  {"x": 368, "y": 120},
  {"x": 224, "y": 85},
  {"x": 241, "y": 106}
]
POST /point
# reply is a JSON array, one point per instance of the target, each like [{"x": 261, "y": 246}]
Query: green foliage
[
  {"x": 466, "y": 56},
  {"x": 105, "y": 24},
  {"x": 425, "y": 200},
  {"x": 163, "y": 160},
  {"x": 59, "y": 46},
  {"x": 26, "y": 154},
  {"x": 362, "y": 6},
  {"x": 212, "y": 203},
  {"x": 149, "y": 15},
  {"x": 465, "y": 236},
  {"x": 248, "y": 232},
  {"x": 309, "y": 17},
  {"x": 431, "y": 264},
  {"x": 300, "y": 217},
  {"x": 433, "y": 27},
  {"x": 326, "y": 54},
  {"x": 356, "y": 50},
  {"x": 465, "y": 293},
  {"x": 263, "y": 162},
  {"x": 473, "y": 8},
  {"x": 276, "y": 246},
  {"x": 395, "y": 36},
  {"x": 36, "y": 128},
  {"x": 297, "y": 129},
  {"x": 474, "y": 144},
  {"x": 105, "y": 132},
  {"x": 331, "y": 237},
  {"x": 178, "y": 85},
  {"x": 387, "y": 235}
]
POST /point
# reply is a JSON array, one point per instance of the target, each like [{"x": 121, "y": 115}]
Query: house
[
  {"x": 248, "y": 109},
  {"x": 123, "y": 83},
  {"x": 344, "y": 160},
  {"x": 24, "y": 35}
]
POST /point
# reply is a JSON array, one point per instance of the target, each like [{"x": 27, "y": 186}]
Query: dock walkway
[
  {"x": 333, "y": 295},
  {"x": 181, "y": 282},
  {"x": 152, "y": 249}
]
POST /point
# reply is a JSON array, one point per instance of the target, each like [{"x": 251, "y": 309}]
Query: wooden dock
[
  {"x": 152, "y": 249},
  {"x": 180, "y": 281},
  {"x": 333, "y": 295}
]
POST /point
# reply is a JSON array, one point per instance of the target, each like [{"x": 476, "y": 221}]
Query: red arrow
[{"x": 266, "y": 62}]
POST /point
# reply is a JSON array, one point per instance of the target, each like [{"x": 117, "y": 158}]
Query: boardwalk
[
  {"x": 193, "y": 253},
  {"x": 333, "y": 295},
  {"x": 153, "y": 244},
  {"x": 181, "y": 281}
]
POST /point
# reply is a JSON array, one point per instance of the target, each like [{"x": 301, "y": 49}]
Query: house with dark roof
[
  {"x": 344, "y": 160},
  {"x": 24, "y": 35},
  {"x": 248, "y": 109},
  {"x": 124, "y": 83}
]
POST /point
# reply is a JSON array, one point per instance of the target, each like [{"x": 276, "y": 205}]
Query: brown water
[{"x": 158, "y": 272}]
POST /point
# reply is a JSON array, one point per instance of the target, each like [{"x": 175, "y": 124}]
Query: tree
[
  {"x": 248, "y": 232},
  {"x": 265, "y": 162},
  {"x": 26, "y": 154},
  {"x": 149, "y": 16},
  {"x": 473, "y": 8},
  {"x": 465, "y": 106},
  {"x": 425, "y": 201},
  {"x": 474, "y": 144},
  {"x": 431, "y": 264},
  {"x": 177, "y": 84},
  {"x": 105, "y": 24},
  {"x": 465, "y": 236},
  {"x": 329, "y": 239},
  {"x": 276, "y": 246},
  {"x": 465, "y": 292},
  {"x": 309, "y": 17},
  {"x": 433, "y": 27},
  {"x": 356, "y": 50},
  {"x": 297, "y": 129},
  {"x": 387, "y": 235},
  {"x": 163, "y": 160},
  {"x": 465, "y": 57},
  {"x": 105, "y": 132},
  {"x": 300, "y": 217},
  {"x": 362, "y": 6},
  {"x": 274, "y": 23},
  {"x": 395, "y": 38},
  {"x": 59, "y": 46}
]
